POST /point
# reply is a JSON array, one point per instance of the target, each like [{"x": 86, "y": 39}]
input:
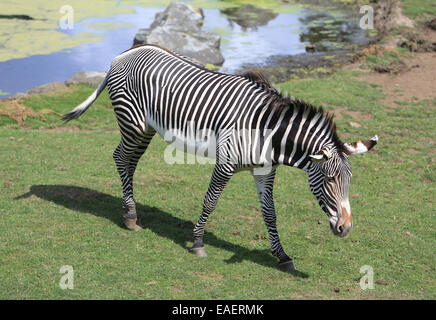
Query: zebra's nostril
[{"x": 340, "y": 229}]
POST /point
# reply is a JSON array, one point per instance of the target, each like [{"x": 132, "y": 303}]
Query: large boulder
[
  {"x": 92, "y": 78},
  {"x": 178, "y": 28}
]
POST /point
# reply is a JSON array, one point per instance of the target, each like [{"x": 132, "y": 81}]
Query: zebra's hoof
[
  {"x": 133, "y": 224},
  {"x": 199, "y": 252},
  {"x": 287, "y": 266}
]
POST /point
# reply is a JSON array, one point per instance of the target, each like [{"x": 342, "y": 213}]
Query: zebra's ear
[
  {"x": 321, "y": 156},
  {"x": 360, "y": 146}
]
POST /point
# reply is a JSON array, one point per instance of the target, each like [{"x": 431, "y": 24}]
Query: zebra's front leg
[
  {"x": 264, "y": 185},
  {"x": 220, "y": 176}
]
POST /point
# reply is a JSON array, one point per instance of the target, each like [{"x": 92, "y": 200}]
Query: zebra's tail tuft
[{"x": 81, "y": 108}]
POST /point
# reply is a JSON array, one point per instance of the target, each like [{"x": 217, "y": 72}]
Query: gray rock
[
  {"x": 46, "y": 88},
  {"x": 18, "y": 95},
  {"x": 92, "y": 78},
  {"x": 179, "y": 16},
  {"x": 178, "y": 28}
]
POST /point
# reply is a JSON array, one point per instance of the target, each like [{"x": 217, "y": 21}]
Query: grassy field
[
  {"x": 60, "y": 204},
  {"x": 421, "y": 9}
]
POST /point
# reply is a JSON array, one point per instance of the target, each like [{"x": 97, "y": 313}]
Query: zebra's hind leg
[
  {"x": 126, "y": 157},
  {"x": 220, "y": 176},
  {"x": 139, "y": 151},
  {"x": 264, "y": 185}
]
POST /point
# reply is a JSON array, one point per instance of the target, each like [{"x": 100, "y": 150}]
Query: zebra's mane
[{"x": 276, "y": 101}]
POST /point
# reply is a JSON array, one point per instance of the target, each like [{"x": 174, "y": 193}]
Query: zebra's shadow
[{"x": 160, "y": 222}]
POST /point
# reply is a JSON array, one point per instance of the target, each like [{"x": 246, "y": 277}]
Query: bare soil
[
  {"x": 15, "y": 110},
  {"x": 418, "y": 82}
]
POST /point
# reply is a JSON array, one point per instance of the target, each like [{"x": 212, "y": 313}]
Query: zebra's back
[{"x": 151, "y": 85}]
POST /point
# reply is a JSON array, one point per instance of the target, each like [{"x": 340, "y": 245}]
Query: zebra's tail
[{"x": 81, "y": 108}]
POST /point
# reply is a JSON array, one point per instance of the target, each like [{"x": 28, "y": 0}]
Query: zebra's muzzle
[{"x": 344, "y": 225}]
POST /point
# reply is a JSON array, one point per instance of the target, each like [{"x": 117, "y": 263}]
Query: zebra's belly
[{"x": 199, "y": 143}]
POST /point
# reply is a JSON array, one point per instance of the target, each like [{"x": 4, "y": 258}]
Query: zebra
[{"x": 155, "y": 90}]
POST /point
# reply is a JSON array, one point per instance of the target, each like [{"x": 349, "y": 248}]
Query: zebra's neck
[
  {"x": 303, "y": 130},
  {"x": 293, "y": 128}
]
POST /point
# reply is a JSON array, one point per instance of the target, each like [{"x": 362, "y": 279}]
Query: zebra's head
[{"x": 329, "y": 180}]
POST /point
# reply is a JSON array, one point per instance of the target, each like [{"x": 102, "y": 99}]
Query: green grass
[
  {"x": 417, "y": 8},
  {"x": 60, "y": 204},
  {"x": 388, "y": 61},
  {"x": 385, "y": 59}
]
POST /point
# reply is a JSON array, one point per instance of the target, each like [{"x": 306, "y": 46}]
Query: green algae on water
[
  {"x": 40, "y": 33},
  {"x": 110, "y": 25}
]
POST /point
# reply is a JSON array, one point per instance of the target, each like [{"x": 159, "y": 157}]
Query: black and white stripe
[{"x": 155, "y": 90}]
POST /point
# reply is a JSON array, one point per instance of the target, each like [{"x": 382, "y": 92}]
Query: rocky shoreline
[
  {"x": 394, "y": 30},
  {"x": 179, "y": 26},
  {"x": 92, "y": 78}
]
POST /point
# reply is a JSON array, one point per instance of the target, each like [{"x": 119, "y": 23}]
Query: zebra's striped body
[{"x": 248, "y": 123}]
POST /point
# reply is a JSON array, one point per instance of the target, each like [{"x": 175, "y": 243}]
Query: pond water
[{"x": 249, "y": 35}]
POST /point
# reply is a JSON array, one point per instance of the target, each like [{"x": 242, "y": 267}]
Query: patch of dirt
[
  {"x": 431, "y": 24},
  {"x": 388, "y": 15},
  {"x": 338, "y": 112},
  {"x": 412, "y": 151},
  {"x": 355, "y": 124},
  {"x": 418, "y": 82},
  {"x": 418, "y": 40},
  {"x": 356, "y": 115},
  {"x": 15, "y": 110}
]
